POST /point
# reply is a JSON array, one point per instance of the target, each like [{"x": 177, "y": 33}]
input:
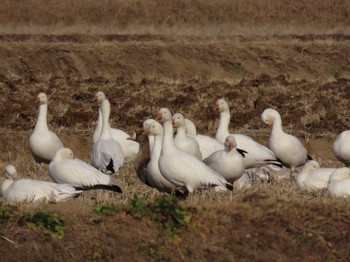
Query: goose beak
[
  {"x": 159, "y": 117},
  {"x": 215, "y": 107}
]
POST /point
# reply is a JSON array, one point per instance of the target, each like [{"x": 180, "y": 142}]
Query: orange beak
[
  {"x": 215, "y": 107},
  {"x": 159, "y": 117}
]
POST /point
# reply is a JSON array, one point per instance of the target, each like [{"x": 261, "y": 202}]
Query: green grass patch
[{"x": 105, "y": 209}]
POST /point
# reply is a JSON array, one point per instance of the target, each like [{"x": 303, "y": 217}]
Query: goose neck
[
  {"x": 5, "y": 185},
  {"x": 168, "y": 140},
  {"x": 277, "y": 124},
  {"x": 41, "y": 124},
  {"x": 223, "y": 128},
  {"x": 105, "y": 111}
]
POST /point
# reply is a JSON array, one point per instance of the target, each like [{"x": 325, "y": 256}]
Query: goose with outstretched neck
[
  {"x": 257, "y": 154},
  {"x": 43, "y": 143},
  {"x": 129, "y": 147},
  {"x": 107, "y": 154},
  {"x": 184, "y": 170}
]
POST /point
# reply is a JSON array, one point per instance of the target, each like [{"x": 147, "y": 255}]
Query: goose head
[
  {"x": 230, "y": 143},
  {"x": 221, "y": 105},
  {"x": 41, "y": 99},
  {"x": 178, "y": 120},
  {"x": 146, "y": 123},
  {"x": 269, "y": 115},
  {"x": 164, "y": 115},
  {"x": 154, "y": 129},
  {"x": 10, "y": 172},
  {"x": 100, "y": 96},
  {"x": 310, "y": 166},
  {"x": 340, "y": 174},
  {"x": 63, "y": 154}
]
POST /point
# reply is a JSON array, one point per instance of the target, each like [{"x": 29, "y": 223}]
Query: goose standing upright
[
  {"x": 341, "y": 147},
  {"x": 64, "y": 168},
  {"x": 228, "y": 162},
  {"x": 155, "y": 177},
  {"x": 339, "y": 182},
  {"x": 107, "y": 154},
  {"x": 183, "y": 141},
  {"x": 129, "y": 147},
  {"x": 287, "y": 148},
  {"x": 43, "y": 143},
  {"x": 145, "y": 126},
  {"x": 257, "y": 154},
  {"x": 182, "y": 169},
  {"x": 29, "y": 190},
  {"x": 313, "y": 177}
]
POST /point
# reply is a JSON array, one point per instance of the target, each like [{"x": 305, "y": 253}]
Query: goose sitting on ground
[
  {"x": 341, "y": 147},
  {"x": 29, "y": 190},
  {"x": 184, "y": 170},
  {"x": 287, "y": 148},
  {"x": 43, "y": 143},
  {"x": 313, "y": 177},
  {"x": 145, "y": 126},
  {"x": 107, "y": 154},
  {"x": 257, "y": 154},
  {"x": 64, "y": 168},
  {"x": 129, "y": 147},
  {"x": 339, "y": 182},
  {"x": 228, "y": 162},
  {"x": 183, "y": 141}
]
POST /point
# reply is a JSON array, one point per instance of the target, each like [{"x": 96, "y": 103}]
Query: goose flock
[{"x": 170, "y": 156}]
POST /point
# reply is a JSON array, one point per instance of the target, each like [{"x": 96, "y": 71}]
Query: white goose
[
  {"x": 182, "y": 169},
  {"x": 29, "y": 190},
  {"x": 64, "y": 168},
  {"x": 341, "y": 148},
  {"x": 145, "y": 126},
  {"x": 183, "y": 141},
  {"x": 107, "y": 154},
  {"x": 313, "y": 177},
  {"x": 287, "y": 148},
  {"x": 339, "y": 182},
  {"x": 228, "y": 162},
  {"x": 155, "y": 177},
  {"x": 129, "y": 147},
  {"x": 191, "y": 129},
  {"x": 257, "y": 154},
  {"x": 43, "y": 143}
]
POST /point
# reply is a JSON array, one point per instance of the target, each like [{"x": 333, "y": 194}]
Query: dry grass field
[{"x": 289, "y": 55}]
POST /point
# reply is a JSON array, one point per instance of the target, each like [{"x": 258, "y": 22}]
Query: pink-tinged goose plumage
[
  {"x": 228, "y": 162},
  {"x": 341, "y": 147},
  {"x": 183, "y": 141},
  {"x": 15, "y": 190},
  {"x": 107, "y": 154},
  {"x": 182, "y": 169},
  {"x": 339, "y": 183},
  {"x": 313, "y": 177},
  {"x": 257, "y": 154},
  {"x": 64, "y": 168},
  {"x": 287, "y": 148},
  {"x": 129, "y": 147},
  {"x": 43, "y": 143}
]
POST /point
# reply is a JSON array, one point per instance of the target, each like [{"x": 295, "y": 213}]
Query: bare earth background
[{"x": 290, "y": 55}]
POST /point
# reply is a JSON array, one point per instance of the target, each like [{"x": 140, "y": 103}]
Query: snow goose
[
  {"x": 287, "y": 148},
  {"x": 43, "y": 143},
  {"x": 182, "y": 169},
  {"x": 183, "y": 141},
  {"x": 129, "y": 147},
  {"x": 107, "y": 154},
  {"x": 191, "y": 129},
  {"x": 339, "y": 182},
  {"x": 228, "y": 162},
  {"x": 64, "y": 168},
  {"x": 145, "y": 126},
  {"x": 313, "y": 177},
  {"x": 341, "y": 147},
  {"x": 143, "y": 156},
  {"x": 156, "y": 179},
  {"x": 257, "y": 154},
  {"x": 29, "y": 190}
]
